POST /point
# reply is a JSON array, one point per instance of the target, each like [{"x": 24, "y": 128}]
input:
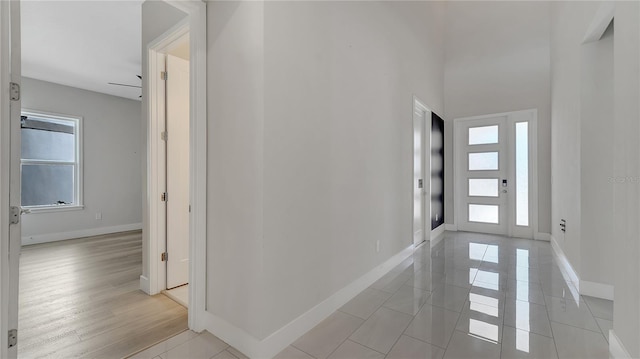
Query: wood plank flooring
[{"x": 80, "y": 299}]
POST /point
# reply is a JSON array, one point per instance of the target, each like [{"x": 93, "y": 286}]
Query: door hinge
[
  {"x": 14, "y": 215},
  {"x": 164, "y": 136},
  {"x": 164, "y": 196},
  {"x": 164, "y": 75},
  {"x": 13, "y": 338},
  {"x": 14, "y": 91},
  {"x": 164, "y": 257}
]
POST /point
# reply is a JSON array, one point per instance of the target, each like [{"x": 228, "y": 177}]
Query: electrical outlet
[
  {"x": 378, "y": 246},
  {"x": 98, "y": 215}
]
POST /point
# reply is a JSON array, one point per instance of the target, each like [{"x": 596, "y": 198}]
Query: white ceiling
[{"x": 84, "y": 44}]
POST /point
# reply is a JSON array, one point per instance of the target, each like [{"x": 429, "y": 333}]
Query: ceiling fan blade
[{"x": 117, "y": 84}]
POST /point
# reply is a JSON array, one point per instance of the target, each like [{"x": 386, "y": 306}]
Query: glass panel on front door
[
  {"x": 483, "y": 135},
  {"x": 522, "y": 174},
  {"x": 483, "y": 187},
  {"x": 483, "y": 161},
  {"x": 484, "y": 213}
]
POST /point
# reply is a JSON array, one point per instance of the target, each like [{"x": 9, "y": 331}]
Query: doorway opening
[
  {"x": 496, "y": 174},
  {"x": 188, "y": 206},
  {"x": 122, "y": 342},
  {"x": 428, "y": 174},
  {"x": 421, "y": 182}
]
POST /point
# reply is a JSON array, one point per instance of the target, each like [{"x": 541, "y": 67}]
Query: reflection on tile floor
[{"x": 471, "y": 296}]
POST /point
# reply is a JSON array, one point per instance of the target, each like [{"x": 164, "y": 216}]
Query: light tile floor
[
  {"x": 471, "y": 296},
  {"x": 190, "y": 345}
]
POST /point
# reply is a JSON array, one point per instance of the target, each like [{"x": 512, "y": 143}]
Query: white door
[
  {"x": 493, "y": 173},
  {"x": 177, "y": 171},
  {"x": 421, "y": 177},
  {"x": 483, "y": 172},
  {"x": 9, "y": 174}
]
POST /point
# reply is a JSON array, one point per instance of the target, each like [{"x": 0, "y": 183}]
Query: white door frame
[
  {"x": 421, "y": 110},
  {"x": 10, "y": 241},
  {"x": 531, "y": 115},
  {"x": 195, "y": 25}
]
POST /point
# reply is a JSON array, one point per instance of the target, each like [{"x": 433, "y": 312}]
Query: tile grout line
[
  {"x": 424, "y": 341},
  {"x": 454, "y": 331},
  {"x": 293, "y": 346},
  {"x": 381, "y": 306},
  {"x": 555, "y": 345},
  {"x": 573, "y": 326}
]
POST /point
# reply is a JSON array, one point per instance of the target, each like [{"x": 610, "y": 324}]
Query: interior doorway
[
  {"x": 421, "y": 163},
  {"x": 154, "y": 277},
  {"x": 495, "y": 173},
  {"x": 428, "y": 174}
]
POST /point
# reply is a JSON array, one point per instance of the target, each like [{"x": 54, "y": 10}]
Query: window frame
[{"x": 78, "y": 203}]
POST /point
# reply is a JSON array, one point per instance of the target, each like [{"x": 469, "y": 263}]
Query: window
[
  {"x": 522, "y": 173},
  {"x": 50, "y": 163}
]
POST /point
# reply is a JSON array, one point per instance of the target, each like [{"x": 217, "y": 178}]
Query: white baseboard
[
  {"x": 276, "y": 342},
  {"x": 598, "y": 290},
  {"x": 437, "y": 235},
  {"x": 144, "y": 284},
  {"x": 450, "y": 227},
  {"x": 592, "y": 289},
  {"x": 541, "y": 236},
  {"x": 569, "y": 274},
  {"x": 616, "y": 348},
  {"x": 61, "y": 236},
  {"x": 437, "y": 231}
]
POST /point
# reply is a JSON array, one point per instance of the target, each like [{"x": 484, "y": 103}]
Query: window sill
[{"x": 34, "y": 210}]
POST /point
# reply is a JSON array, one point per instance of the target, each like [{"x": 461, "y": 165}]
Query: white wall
[
  {"x": 497, "y": 60},
  {"x": 626, "y": 235},
  {"x": 310, "y": 132},
  {"x": 568, "y": 26},
  {"x": 157, "y": 18},
  {"x": 596, "y": 165},
  {"x": 111, "y": 162},
  {"x": 582, "y": 151},
  {"x": 339, "y": 81},
  {"x": 235, "y": 76},
  {"x": 578, "y": 168}
]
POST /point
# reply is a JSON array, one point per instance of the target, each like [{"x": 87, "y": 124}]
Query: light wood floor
[{"x": 80, "y": 298}]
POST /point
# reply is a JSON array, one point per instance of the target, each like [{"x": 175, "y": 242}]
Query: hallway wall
[
  {"x": 626, "y": 234},
  {"x": 310, "y": 157},
  {"x": 339, "y": 82},
  {"x": 596, "y": 165},
  {"x": 582, "y": 138},
  {"x": 582, "y": 121}
]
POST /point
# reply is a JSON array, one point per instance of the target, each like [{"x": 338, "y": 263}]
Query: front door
[{"x": 493, "y": 173}]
